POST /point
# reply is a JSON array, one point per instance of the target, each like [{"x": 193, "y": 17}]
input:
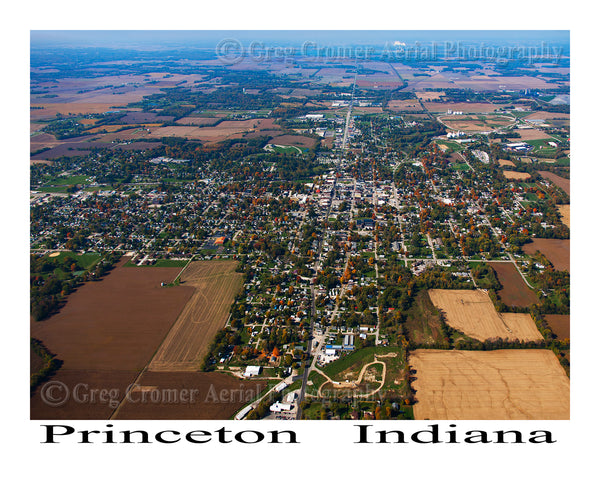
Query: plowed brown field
[
  {"x": 554, "y": 249},
  {"x": 514, "y": 291}
]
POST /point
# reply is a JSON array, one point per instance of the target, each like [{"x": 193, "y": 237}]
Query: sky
[{"x": 208, "y": 38}]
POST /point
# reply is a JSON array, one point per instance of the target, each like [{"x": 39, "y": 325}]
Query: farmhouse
[{"x": 252, "y": 371}]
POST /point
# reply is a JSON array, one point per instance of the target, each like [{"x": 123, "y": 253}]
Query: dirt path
[{"x": 356, "y": 383}]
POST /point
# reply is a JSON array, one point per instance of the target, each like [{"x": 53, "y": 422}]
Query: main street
[{"x": 311, "y": 360}]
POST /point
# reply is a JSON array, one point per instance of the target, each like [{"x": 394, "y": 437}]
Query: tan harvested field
[
  {"x": 560, "y": 182},
  {"x": 466, "y": 107},
  {"x": 565, "y": 214},
  {"x": 492, "y": 385},
  {"x": 187, "y": 396},
  {"x": 510, "y": 175},
  {"x": 557, "y": 251},
  {"x": 548, "y": 115},
  {"x": 505, "y": 163},
  {"x": 470, "y": 123},
  {"x": 560, "y": 325},
  {"x": 198, "y": 121},
  {"x": 42, "y": 140},
  {"x": 107, "y": 128},
  {"x": 404, "y": 105},
  {"x": 473, "y": 313},
  {"x": 484, "y": 82},
  {"x": 429, "y": 95},
  {"x": 367, "y": 110},
  {"x": 224, "y": 130},
  {"x": 530, "y": 134},
  {"x": 51, "y": 109},
  {"x": 216, "y": 283}
]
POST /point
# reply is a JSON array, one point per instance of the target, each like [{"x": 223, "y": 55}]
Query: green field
[
  {"x": 287, "y": 149},
  {"x": 452, "y": 146},
  {"x": 161, "y": 262},
  {"x": 460, "y": 166},
  {"x": 69, "y": 180}
]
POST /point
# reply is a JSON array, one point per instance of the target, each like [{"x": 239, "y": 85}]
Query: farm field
[
  {"x": 49, "y": 110},
  {"x": 560, "y": 182},
  {"x": 404, "y": 105},
  {"x": 294, "y": 140},
  {"x": 155, "y": 396},
  {"x": 222, "y": 131},
  {"x": 559, "y": 324},
  {"x": 505, "y": 163},
  {"x": 514, "y": 291},
  {"x": 198, "y": 121},
  {"x": 565, "y": 214},
  {"x": 492, "y": 385},
  {"x": 467, "y": 107},
  {"x": 557, "y": 251},
  {"x": 106, "y": 333},
  {"x": 476, "y": 123},
  {"x": 473, "y": 313},
  {"x": 526, "y": 134},
  {"x": 216, "y": 283},
  {"x": 511, "y": 175}
]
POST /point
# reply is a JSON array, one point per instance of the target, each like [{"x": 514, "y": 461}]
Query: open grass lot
[
  {"x": 107, "y": 332},
  {"x": 514, "y": 291},
  {"x": 357, "y": 379},
  {"x": 188, "y": 396},
  {"x": 423, "y": 321},
  {"x": 493, "y": 385},
  {"x": 473, "y": 313},
  {"x": 557, "y": 251},
  {"x": 84, "y": 261},
  {"x": 216, "y": 283}
]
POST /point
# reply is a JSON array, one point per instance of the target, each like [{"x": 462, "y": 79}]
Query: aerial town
[{"x": 307, "y": 237}]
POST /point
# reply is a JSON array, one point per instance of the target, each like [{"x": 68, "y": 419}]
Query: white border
[{"x": 329, "y": 450}]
